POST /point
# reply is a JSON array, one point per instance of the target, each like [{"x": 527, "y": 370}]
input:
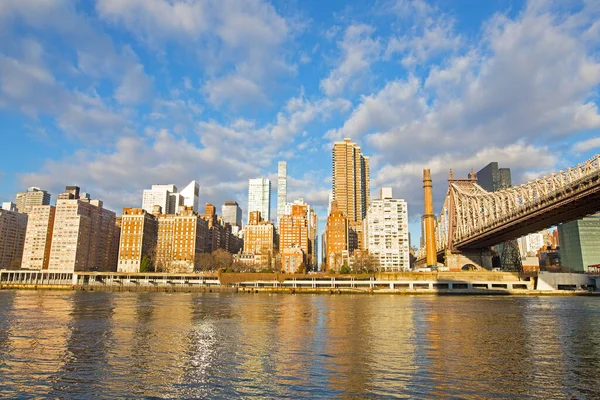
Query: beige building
[
  {"x": 181, "y": 238},
  {"x": 83, "y": 235},
  {"x": 292, "y": 259},
  {"x": 13, "y": 226},
  {"x": 40, "y": 224},
  {"x": 33, "y": 197},
  {"x": 351, "y": 182},
  {"x": 139, "y": 232},
  {"x": 259, "y": 236}
]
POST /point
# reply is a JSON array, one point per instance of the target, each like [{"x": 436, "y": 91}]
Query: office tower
[
  {"x": 336, "y": 249},
  {"x": 351, "y": 182},
  {"x": 190, "y": 195},
  {"x": 13, "y": 226},
  {"x": 34, "y": 196},
  {"x": 165, "y": 196},
  {"x": 83, "y": 235},
  {"x": 493, "y": 179},
  {"x": 313, "y": 242},
  {"x": 232, "y": 213},
  {"x": 386, "y": 232},
  {"x": 580, "y": 243},
  {"x": 181, "y": 238},
  {"x": 259, "y": 235},
  {"x": 281, "y": 189},
  {"x": 259, "y": 197},
  {"x": 137, "y": 247},
  {"x": 40, "y": 224}
]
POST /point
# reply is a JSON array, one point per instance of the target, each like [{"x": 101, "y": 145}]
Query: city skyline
[{"x": 98, "y": 101}]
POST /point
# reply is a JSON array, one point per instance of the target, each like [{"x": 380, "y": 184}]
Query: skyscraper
[
  {"x": 351, "y": 187},
  {"x": 34, "y": 196},
  {"x": 232, "y": 213},
  {"x": 259, "y": 197},
  {"x": 40, "y": 225},
  {"x": 165, "y": 196},
  {"x": 351, "y": 182},
  {"x": 13, "y": 226},
  {"x": 190, "y": 196},
  {"x": 281, "y": 189},
  {"x": 493, "y": 179}
]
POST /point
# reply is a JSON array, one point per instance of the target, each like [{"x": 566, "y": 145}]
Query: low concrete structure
[{"x": 566, "y": 281}]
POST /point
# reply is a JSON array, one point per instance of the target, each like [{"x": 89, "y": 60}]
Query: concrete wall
[
  {"x": 551, "y": 280},
  {"x": 480, "y": 259}
]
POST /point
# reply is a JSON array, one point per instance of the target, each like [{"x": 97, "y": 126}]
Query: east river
[{"x": 218, "y": 345}]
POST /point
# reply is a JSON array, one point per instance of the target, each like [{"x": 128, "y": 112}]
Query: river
[{"x": 221, "y": 345}]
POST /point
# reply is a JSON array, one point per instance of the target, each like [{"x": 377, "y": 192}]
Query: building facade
[
  {"x": 493, "y": 179},
  {"x": 40, "y": 225},
  {"x": 137, "y": 246},
  {"x": 281, "y": 189},
  {"x": 13, "y": 226},
  {"x": 189, "y": 196},
  {"x": 386, "y": 232},
  {"x": 259, "y": 236},
  {"x": 529, "y": 245},
  {"x": 336, "y": 240},
  {"x": 580, "y": 243},
  {"x": 165, "y": 196},
  {"x": 83, "y": 235},
  {"x": 33, "y": 197},
  {"x": 294, "y": 229},
  {"x": 232, "y": 213},
  {"x": 259, "y": 197}
]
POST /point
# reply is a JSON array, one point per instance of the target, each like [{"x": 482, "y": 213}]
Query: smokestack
[{"x": 429, "y": 217}]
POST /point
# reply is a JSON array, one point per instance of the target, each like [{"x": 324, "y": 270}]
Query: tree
[
  {"x": 222, "y": 259},
  {"x": 301, "y": 269},
  {"x": 345, "y": 269},
  {"x": 146, "y": 265},
  {"x": 204, "y": 262}
]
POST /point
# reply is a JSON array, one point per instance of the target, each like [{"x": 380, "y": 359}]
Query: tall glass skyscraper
[
  {"x": 580, "y": 243},
  {"x": 259, "y": 197}
]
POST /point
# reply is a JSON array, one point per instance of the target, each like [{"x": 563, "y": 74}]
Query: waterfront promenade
[{"x": 478, "y": 282}]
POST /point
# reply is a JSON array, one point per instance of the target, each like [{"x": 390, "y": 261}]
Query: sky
[{"x": 117, "y": 95}]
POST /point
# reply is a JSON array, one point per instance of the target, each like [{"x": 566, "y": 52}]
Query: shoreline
[{"x": 282, "y": 290}]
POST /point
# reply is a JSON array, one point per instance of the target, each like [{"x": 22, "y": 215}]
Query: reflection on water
[{"x": 107, "y": 345}]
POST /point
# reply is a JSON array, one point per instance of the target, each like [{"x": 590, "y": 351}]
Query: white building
[
  {"x": 385, "y": 231},
  {"x": 13, "y": 226},
  {"x": 40, "y": 225},
  {"x": 281, "y": 189},
  {"x": 259, "y": 197},
  {"x": 530, "y": 244},
  {"x": 33, "y": 197},
  {"x": 190, "y": 196},
  {"x": 165, "y": 196}
]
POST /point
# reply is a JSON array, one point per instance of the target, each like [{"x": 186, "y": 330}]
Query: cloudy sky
[{"x": 115, "y": 95}]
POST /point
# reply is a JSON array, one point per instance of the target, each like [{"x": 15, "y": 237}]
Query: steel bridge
[{"x": 473, "y": 218}]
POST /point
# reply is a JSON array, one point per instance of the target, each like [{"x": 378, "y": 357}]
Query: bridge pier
[{"x": 477, "y": 259}]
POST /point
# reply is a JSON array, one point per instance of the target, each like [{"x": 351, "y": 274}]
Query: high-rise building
[
  {"x": 13, "y": 226},
  {"x": 336, "y": 249},
  {"x": 190, "y": 195},
  {"x": 259, "y": 236},
  {"x": 580, "y": 243},
  {"x": 232, "y": 213},
  {"x": 181, "y": 238},
  {"x": 40, "y": 224},
  {"x": 34, "y": 196},
  {"x": 139, "y": 232},
  {"x": 386, "y": 232},
  {"x": 165, "y": 196},
  {"x": 259, "y": 197},
  {"x": 493, "y": 179},
  {"x": 351, "y": 187},
  {"x": 281, "y": 189},
  {"x": 83, "y": 236},
  {"x": 351, "y": 181},
  {"x": 293, "y": 230}
]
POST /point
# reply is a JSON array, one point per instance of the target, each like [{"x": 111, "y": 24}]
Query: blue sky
[{"x": 115, "y": 95}]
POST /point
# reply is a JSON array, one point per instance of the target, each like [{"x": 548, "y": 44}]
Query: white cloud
[
  {"x": 358, "y": 51},
  {"x": 587, "y": 145},
  {"x": 235, "y": 91}
]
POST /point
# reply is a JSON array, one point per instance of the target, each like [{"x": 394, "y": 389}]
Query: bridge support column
[{"x": 469, "y": 260}]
